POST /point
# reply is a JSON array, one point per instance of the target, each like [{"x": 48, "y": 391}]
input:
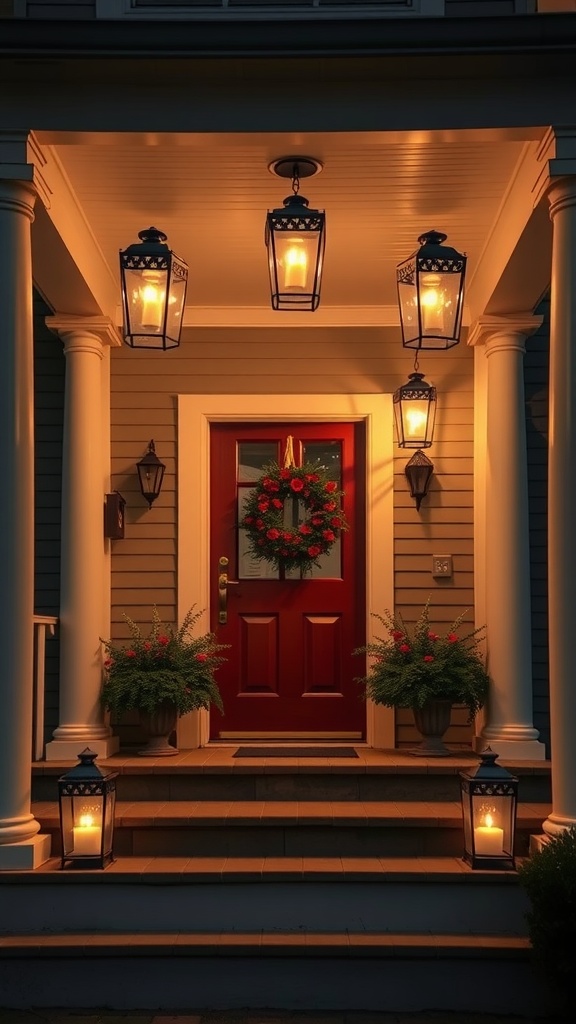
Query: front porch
[{"x": 290, "y": 882}]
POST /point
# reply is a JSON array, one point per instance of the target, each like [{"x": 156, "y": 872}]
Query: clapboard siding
[
  {"x": 48, "y": 421},
  {"x": 536, "y": 399},
  {"x": 300, "y": 361}
]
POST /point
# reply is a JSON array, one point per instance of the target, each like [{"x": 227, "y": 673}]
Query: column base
[
  {"x": 512, "y": 750},
  {"x": 68, "y": 750},
  {"x": 27, "y": 855}
]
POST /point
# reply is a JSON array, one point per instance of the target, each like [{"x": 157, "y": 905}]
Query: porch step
[
  {"x": 379, "y": 971},
  {"x": 210, "y": 896},
  {"x": 296, "y": 829}
]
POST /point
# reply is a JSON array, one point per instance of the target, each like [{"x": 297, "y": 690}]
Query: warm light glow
[
  {"x": 488, "y": 821},
  {"x": 432, "y": 302},
  {"x": 415, "y": 421},
  {"x": 488, "y": 839},
  {"x": 295, "y": 267},
  {"x": 152, "y": 300},
  {"x": 86, "y": 820},
  {"x": 87, "y": 837}
]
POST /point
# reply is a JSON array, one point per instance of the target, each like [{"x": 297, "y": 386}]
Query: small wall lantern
[
  {"x": 414, "y": 405},
  {"x": 154, "y": 284},
  {"x": 295, "y": 238},
  {"x": 431, "y": 294},
  {"x": 419, "y": 470},
  {"x": 87, "y": 800},
  {"x": 489, "y": 799},
  {"x": 150, "y": 474}
]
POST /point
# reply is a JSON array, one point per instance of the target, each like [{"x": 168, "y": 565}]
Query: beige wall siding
[{"x": 299, "y": 361}]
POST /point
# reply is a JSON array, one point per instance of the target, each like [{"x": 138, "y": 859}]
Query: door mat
[{"x": 295, "y": 752}]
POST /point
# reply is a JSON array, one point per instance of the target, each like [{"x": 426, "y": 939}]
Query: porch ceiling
[{"x": 210, "y": 193}]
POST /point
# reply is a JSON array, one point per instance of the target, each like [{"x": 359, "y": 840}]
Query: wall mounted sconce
[
  {"x": 295, "y": 238},
  {"x": 431, "y": 294},
  {"x": 489, "y": 800},
  {"x": 87, "y": 798},
  {"x": 114, "y": 516},
  {"x": 153, "y": 281},
  {"x": 150, "y": 474},
  {"x": 418, "y": 472}
]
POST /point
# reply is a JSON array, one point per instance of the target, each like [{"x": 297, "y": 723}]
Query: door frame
[{"x": 195, "y": 414}]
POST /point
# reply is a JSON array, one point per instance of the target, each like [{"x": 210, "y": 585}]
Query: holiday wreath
[{"x": 276, "y": 528}]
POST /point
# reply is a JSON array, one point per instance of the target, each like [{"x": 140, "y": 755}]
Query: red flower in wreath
[
  {"x": 296, "y": 484},
  {"x": 331, "y": 486}
]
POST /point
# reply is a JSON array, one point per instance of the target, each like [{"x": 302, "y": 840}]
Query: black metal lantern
[
  {"x": 87, "y": 800},
  {"x": 414, "y": 405},
  {"x": 150, "y": 474},
  {"x": 431, "y": 294},
  {"x": 295, "y": 238},
  {"x": 154, "y": 283},
  {"x": 489, "y": 800},
  {"x": 419, "y": 470}
]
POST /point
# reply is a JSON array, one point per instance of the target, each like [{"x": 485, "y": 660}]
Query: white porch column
[
  {"x": 20, "y": 844},
  {"x": 562, "y": 497},
  {"x": 84, "y": 583},
  {"x": 509, "y": 729}
]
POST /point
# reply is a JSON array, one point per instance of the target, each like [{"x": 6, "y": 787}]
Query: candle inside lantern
[
  {"x": 87, "y": 837},
  {"x": 296, "y": 268},
  {"x": 488, "y": 839},
  {"x": 432, "y": 301},
  {"x": 152, "y": 299}
]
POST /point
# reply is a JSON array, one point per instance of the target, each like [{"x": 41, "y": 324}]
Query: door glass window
[{"x": 252, "y": 457}]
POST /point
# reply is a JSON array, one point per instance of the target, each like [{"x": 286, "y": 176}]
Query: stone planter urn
[
  {"x": 158, "y": 727},
  {"x": 432, "y": 722}
]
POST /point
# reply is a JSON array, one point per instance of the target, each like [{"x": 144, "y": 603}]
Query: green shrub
[{"x": 549, "y": 878}]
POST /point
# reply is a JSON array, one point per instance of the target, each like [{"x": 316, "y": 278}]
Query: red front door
[{"x": 290, "y": 669}]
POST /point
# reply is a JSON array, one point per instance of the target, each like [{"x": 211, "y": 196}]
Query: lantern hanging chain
[
  {"x": 416, "y": 363},
  {"x": 295, "y": 180}
]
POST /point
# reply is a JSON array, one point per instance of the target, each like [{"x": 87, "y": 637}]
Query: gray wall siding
[
  {"x": 536, "y": 397},
  {"x": 48, "y": 417}
]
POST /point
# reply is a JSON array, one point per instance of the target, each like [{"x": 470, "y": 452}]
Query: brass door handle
[{"x": 223, "y": 584}]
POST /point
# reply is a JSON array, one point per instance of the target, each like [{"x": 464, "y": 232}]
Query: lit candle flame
[
  {"x": 295, "y": 267},
  {"x": 86, "y": 820},
  {"x": 415, "y": 421},
  {"x": 488, "y": 820}
]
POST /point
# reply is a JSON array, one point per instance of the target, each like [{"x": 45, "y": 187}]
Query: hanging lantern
[
  {"x": 414, "y": 405},
  {"x": 431, "y": 294},
  {"x": 295, "y": 238},
  {"x": 489, "y": 798},
  {"x": 154, "y": 283},
  {"x": 419, "y": 470},
  {"x": 87, "y": 799},
  {"x": 150, "y": 474}
]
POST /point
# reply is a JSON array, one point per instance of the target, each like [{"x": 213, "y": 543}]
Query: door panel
[{"x": 290, "y": 669}]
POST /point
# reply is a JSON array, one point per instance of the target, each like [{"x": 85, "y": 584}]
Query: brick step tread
[
  {"x": 179, "y": 813},
  {"x": 301, "y": 943},
  {"x": 191, "y": 870}
]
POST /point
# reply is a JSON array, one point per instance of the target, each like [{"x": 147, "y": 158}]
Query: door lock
[{"x": 223, "y": 584}]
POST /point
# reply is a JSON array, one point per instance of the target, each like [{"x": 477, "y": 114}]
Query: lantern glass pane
[
  {"x": 82, "y": 819},
  {"x": 108, "y": 825},
  {"x": 296, "y": 255},
  {"x": 175, "y": 311},
  {"x": 145, "y": 301},
  {"x": 415, "y": 419},
  {"x": 408, "y": 302},
  {"x": 438, "y": 299},
  {"x": 493, "y": 821}
]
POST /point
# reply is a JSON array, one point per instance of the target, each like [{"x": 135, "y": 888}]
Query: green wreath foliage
[{"x": 297, "y": 546}]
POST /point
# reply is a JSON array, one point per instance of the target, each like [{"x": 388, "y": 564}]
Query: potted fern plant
[
  {"x": 162, "y": 675},
  {"x": 426, "y": 671}
]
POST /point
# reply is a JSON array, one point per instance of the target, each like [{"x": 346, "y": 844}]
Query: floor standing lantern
[
  {"x": 154, "y": 284},
  {"x": 295, "y": 238},
  {"x": 87, "y": 799},
  {"x": 489, "y": 799},
  {"x": 431, "y": 294}
]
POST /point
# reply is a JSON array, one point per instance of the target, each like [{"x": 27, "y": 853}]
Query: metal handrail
[{"x": 41, "y": 624}]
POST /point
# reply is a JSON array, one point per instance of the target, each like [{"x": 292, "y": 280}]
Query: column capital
[
  {"x": 515, "y": 326},
  {"x": 557, "y": 157},
  {"x": 69, "y": 326},
  {"x": 22, "y": 160}
]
